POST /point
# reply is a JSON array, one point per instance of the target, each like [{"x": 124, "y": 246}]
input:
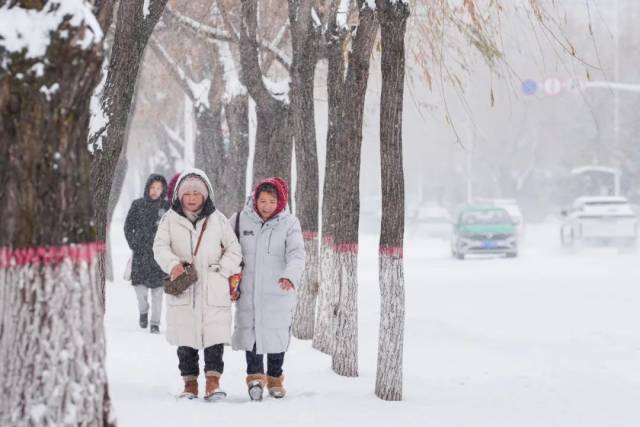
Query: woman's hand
[
  {"x": 176, "y": 272},
  {"x": 286, "y": 284}
]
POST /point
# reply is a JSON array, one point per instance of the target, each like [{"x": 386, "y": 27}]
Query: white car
[{"x": 602, "y": 220}]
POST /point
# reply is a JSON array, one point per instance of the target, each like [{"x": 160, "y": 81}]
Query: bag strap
[
  {"x": 204, "y": 227},
  {"x": 237, "y": 227}
]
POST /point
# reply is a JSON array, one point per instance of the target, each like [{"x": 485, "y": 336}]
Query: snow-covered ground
[{"x": 547, "y": 339}]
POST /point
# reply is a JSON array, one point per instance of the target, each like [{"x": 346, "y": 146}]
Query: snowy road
[{"x": 547, "y": 339}]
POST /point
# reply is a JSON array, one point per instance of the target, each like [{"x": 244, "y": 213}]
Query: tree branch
[
  {"x": 227, "y": 22},
  {"x": 174, "y": 69},
  {"x": 155, "y": 10},
  {"x": 210, "y": 34}
]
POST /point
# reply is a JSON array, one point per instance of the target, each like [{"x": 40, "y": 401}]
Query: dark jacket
[{"x": 140, "y": 230}]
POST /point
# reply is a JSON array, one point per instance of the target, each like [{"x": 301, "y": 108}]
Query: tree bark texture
[
  {"x": 236, "y": 161},
  {"x": 274, "y": 143},
  {"x": 347, "y": 171},
  {"x": 208, "y": 138},
  {"x": 305, "y": 39},
  {"x": 324, "y": 333},
  {"x": 52, "y": 346},
  {"x": 393, "y": 19},
  {"x": 119, "y": 175}
]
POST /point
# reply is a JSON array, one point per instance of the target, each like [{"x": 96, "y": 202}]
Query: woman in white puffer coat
[{"x": 199, "y": 318}]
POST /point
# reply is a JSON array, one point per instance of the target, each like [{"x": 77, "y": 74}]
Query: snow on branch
[
  {"x": 31, "y": 30},
  {"x": 316, "y": 19},
  {"x": 98, "y": 118},
  {"x": 275, "y": 43},
  {"x": 278, "y": 89},
  {"x": 232, "y": 85},
  {"x": 145, "y": 8},
  {"x": 342, "y": 14},
  {"x": 200, "y": 92}
]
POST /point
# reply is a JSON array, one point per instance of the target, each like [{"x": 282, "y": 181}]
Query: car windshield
[{"x": 496, "y": 216}]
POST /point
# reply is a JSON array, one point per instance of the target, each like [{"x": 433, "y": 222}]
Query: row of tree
[
  {"x": 285, "y": 118},
  {"x": 52, "y": 259},
  {"x": 52, "y": 240}
]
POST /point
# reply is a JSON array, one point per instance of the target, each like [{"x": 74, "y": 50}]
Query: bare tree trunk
[
  {"x": 237, "y": 116},
  {"x": 116, "y": 190},
  {"x": 208, "y": 137},
  {"x": 345, "y": 354},
  {"x": 324, "y": 332},
  {"x": 274, "y": 144},
  {"x": 52, "y": 346},
  {"x": 305, "y": 39},
  {"x": 393, "y": 21},
  {"x": 133, "y": 30}
]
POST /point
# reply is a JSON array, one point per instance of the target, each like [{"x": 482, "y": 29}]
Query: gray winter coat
[{"x": 271, "y": 251}]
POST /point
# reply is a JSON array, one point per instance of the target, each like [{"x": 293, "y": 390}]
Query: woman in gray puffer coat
[{"x": 274, "y": 257}]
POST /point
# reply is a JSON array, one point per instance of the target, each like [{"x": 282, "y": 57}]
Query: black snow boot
[
  {"x": 155, "y": 329},
  {"x": 144, "y": 320}
]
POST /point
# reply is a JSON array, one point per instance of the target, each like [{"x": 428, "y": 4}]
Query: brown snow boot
[
  {"x": 276, "y": 389},
  {"x": 255, "y": 385},
  {"x": 213, "y": 391},
  {"x": 190, "y": 387}
]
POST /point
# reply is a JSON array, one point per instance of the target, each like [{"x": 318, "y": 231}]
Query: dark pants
[
  {"x": 255, "y": 363},
  {"x": 188, "y": 360}
]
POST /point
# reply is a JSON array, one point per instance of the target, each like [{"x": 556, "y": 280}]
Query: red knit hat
[{"x": 282, "y": 189}]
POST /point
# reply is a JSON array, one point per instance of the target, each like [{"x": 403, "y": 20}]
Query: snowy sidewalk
[{"x": 547, "y": 339}]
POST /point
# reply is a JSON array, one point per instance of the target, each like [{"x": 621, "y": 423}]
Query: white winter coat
[
  {"x": 201, "y": 316},
  {"x": 271, "y": 251}
]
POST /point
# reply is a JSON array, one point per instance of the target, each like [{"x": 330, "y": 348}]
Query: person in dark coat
[{"x": 140, "y": 230}]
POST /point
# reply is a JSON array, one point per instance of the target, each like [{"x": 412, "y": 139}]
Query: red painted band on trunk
[
  {"x": 50, "y": 255},
  {"x": 346, "y": 248},
  {"x": 310, "y": 235},
  {"x": 393, "y": 251}
]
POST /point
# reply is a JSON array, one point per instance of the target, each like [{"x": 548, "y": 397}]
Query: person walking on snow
[
  {"x": 140, "y": 230},
  {"x": 274, "y": 258},
  {"x": 200, "y": 317}
]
